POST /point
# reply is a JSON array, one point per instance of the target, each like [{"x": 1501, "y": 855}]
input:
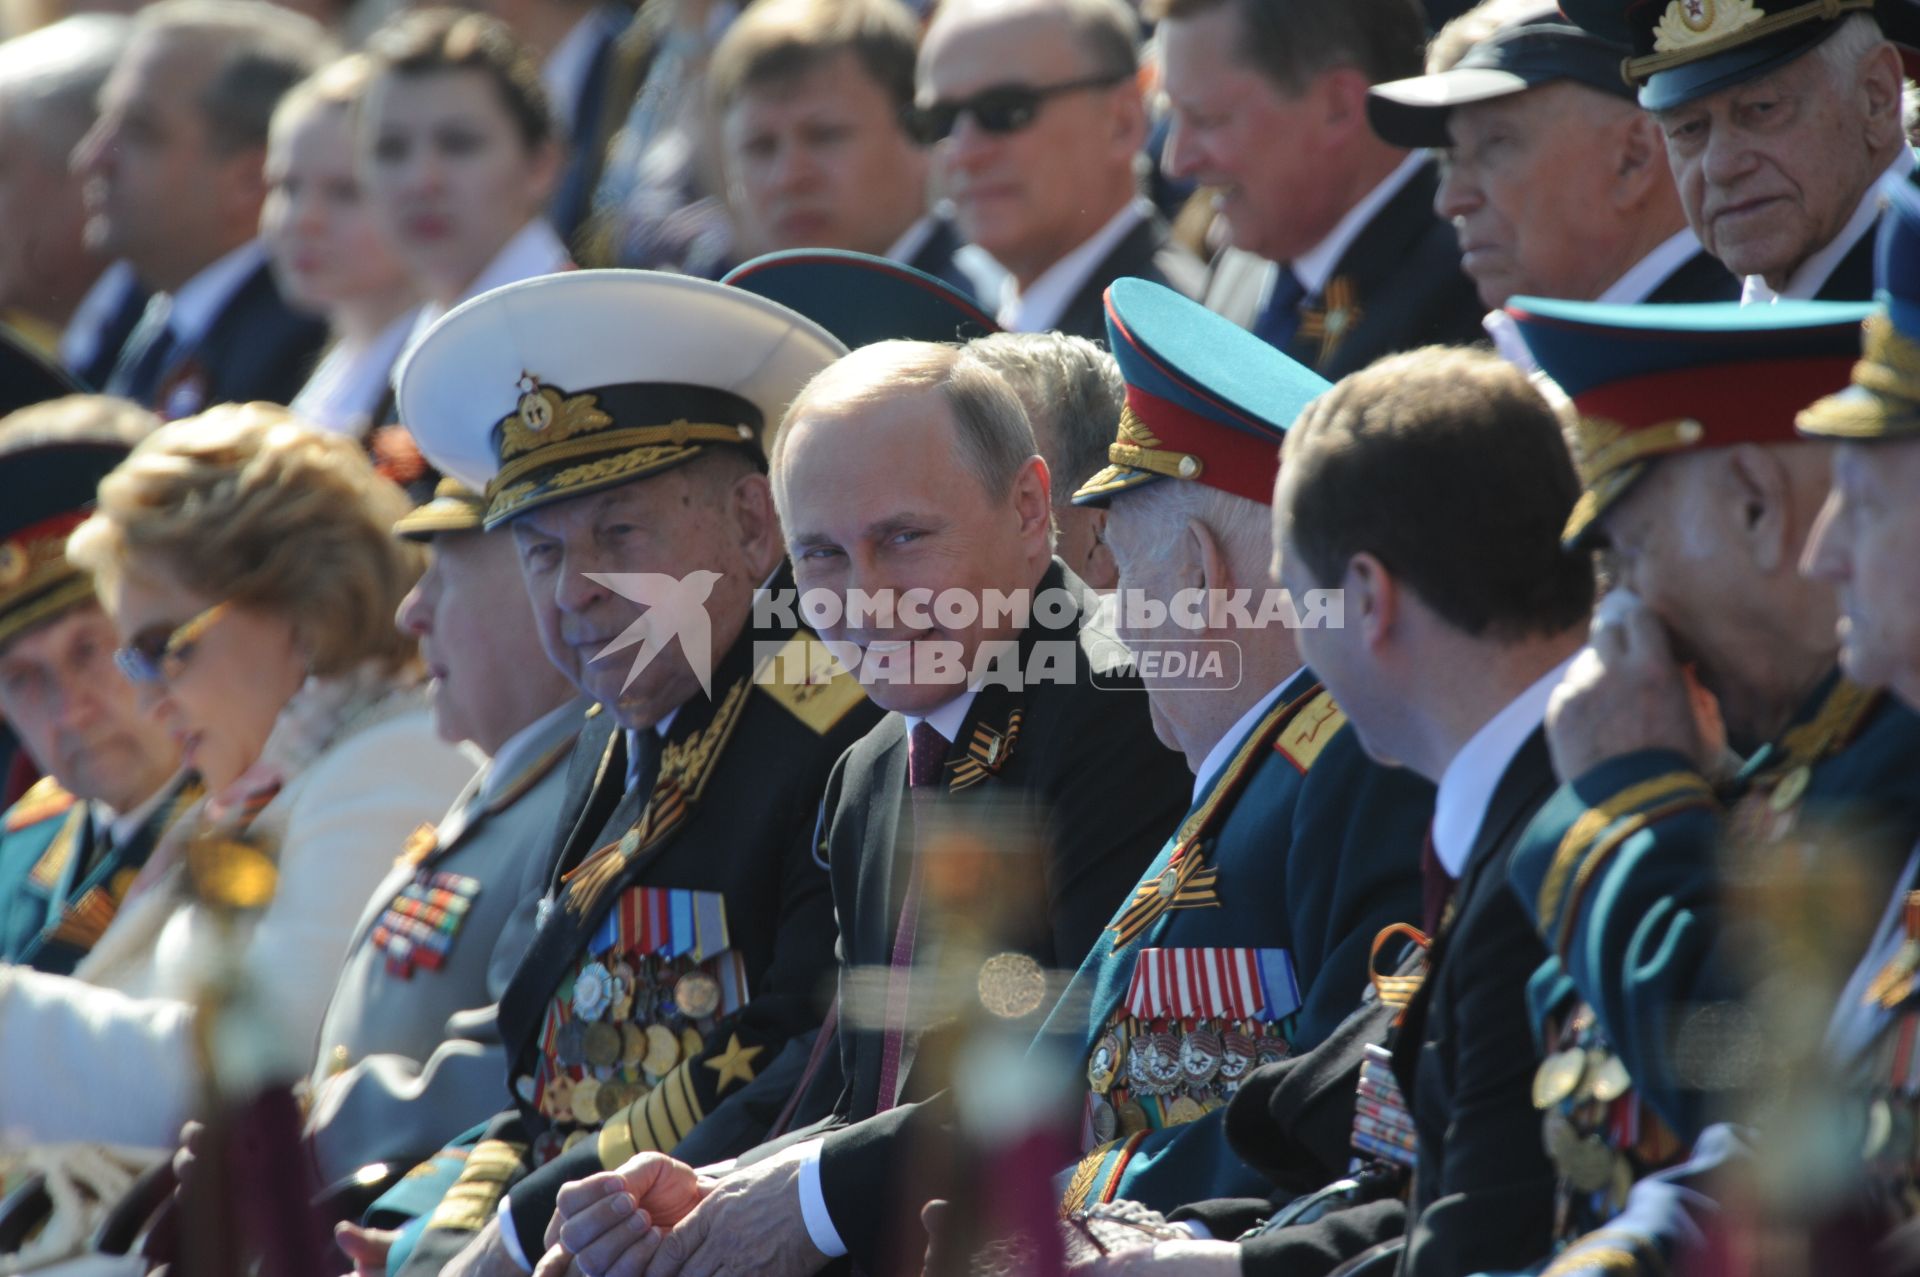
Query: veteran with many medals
[{"x": 685, "y": 929}]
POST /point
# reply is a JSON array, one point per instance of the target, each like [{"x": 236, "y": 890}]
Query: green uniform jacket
[
  {"x": 1316, "y": 849},
  {"x": 1620, "y": 869}
]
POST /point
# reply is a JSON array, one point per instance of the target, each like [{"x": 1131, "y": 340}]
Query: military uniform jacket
[
  {"x": 1620, "y": 871},
  {"x": 1086, "y": 760},
  {"x": 1396, "y": 287},
  {"x": 439, "y": 940},
  {"x": 1308, "y": 849},
  {"x": 59, "y": 887},
  {"x": 688, "y": 934}
]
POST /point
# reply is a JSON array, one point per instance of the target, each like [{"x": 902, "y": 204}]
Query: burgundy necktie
[
  {"x": 926, "y": 755},
  {"x": 1436, "y": 885}
]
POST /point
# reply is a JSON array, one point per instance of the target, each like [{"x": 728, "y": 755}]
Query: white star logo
[{"x": 675, "y": 607}]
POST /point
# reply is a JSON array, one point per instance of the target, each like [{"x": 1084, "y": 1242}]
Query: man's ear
[
  {"x": 1881, "y": 84},
  {"x": 1099, "y": 565},
  {"x": 1032, "y": 499},
  {"x": 1639, "y": 161},
  {"x": 1761, "y": 490},
  {"x": 1372, "y": 599},
  {"x": 756, "y": 524},
  {"x": 1341, "y": 93}
]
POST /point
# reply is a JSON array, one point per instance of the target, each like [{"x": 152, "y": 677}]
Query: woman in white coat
[{"x": 247, "y": 562}]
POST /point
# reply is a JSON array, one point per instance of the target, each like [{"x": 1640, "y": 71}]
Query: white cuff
[
  {"x": 509, "y": 1239},
  {"x": 1201, "y": 1233},
  {"x": 813, "y": 1203}
]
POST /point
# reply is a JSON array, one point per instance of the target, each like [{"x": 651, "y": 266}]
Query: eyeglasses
[
  {"x": 156, "y": 655},
  {"x": 1004, "y": 108}
]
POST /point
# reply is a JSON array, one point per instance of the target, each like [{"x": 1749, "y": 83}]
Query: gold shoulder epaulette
[
  {"x": 808, "y": 683},
  {"x": 1309, "y": 729},
  {"x": 42, "y": 802}
]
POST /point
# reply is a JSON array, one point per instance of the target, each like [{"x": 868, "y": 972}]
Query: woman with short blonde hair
[{"x": 248, "y": 564}]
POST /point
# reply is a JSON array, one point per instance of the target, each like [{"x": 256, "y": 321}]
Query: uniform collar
[
  {"x": 1466, "y": 787},
  {"x": 1223, "y": 748},
  {"x": 525, "y": 747},
  {"x": 1812, "y": 274},
  {"x": 1632, "y": 287}
]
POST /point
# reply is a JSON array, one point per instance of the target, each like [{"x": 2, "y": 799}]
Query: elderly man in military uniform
[
  {"x": 1865, "y": 544},
  {"x": 1308, "y": 848},
  {"x": 1556, "y": 182},
  {"x": 1704, "y": 498},
  {"x": 71, "y": 845},
  {"x": 1783, "y": 119},
  {"x": 910, "y": 466},
  {"x": 408, "y": 1050},
  {"x": 685, "y": 929}
]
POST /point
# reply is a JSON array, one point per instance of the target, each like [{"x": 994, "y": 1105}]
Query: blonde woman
[
  {"x": 330, "y": 252},
  {"x": 246, "y": 562}
]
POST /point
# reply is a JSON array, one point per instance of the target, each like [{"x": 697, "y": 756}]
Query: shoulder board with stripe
[
  {"x": 1309, "y": 729},
  {"x": 808, "y": 683},
  {"x": 45, "y": 800}
]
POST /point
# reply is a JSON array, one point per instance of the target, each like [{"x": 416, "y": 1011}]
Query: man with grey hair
[
  {"x": 53, "y": 290},
  {"x": 1779, "y": 144},
  {"x": 910, "y": 466},
  {"x": 1556, "y": 182},
  {"x": 1073, "y": 392},
  {"x": 1036, "y": 123},
  {"x": 173, "y": 183}
]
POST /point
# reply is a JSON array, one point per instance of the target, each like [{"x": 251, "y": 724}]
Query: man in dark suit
[
  {"x": 809, "y": 97},
  {"x": 909, "y": 467},
  {"x": 174, "y": 186},
  {"x": 1034, "y": 114},
  {"x": 1336, "y": 256},
  {"x": 1556, "y": 182},
  {"x": 53, "y": 289},
  {"x": 1441, "y": 439},
  {"x": 1787, "y": 207},
  {"x": 686, "y": 929}
]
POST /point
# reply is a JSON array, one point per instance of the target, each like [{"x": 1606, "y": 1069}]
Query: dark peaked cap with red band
[
  {"x": 1651, "y": 381},
  {"x": 1207, "y": 401}
]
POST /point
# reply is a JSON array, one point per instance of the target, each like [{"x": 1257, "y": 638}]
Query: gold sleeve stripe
[{"x": 1594, "y": 821}]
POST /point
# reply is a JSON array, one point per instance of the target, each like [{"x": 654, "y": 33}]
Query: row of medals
[
  {"x": 621, "y": 1035},
  {"x": 1576, "y": 1087},
  {"x": 1891, "y": 1145},
  {"x": 1192, "y": 1071}
]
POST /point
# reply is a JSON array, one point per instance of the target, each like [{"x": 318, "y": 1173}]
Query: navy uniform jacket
[
  {"x": 60, "y": 885},
  {"x": 1398, "y": 286},
  {"x": 1620, "y": 870},
  {"x": 1316, "y": 849},
  {"x": 727, "y": 822}
]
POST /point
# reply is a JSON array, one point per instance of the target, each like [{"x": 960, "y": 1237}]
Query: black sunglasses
[{"x": 1004, "y": 108}]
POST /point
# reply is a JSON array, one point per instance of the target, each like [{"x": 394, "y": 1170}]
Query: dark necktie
[
  {"x": 1436, "y": 885},
  {"x": 926, "y": 755},
  {"x": 1279, "y": 320}
]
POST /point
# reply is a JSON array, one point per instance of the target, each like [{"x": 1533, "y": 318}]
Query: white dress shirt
[
  {"x": 351, "y": 381},
  {"x": 1040, "y": 306},
  {"x": 1811, "y": 275},
  {"x": 1314, "y": 268},
  {"x": 1466, "y": 787}
]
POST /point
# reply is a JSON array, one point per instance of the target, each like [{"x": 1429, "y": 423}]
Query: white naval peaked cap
[{"x": 571, "y": 383}]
